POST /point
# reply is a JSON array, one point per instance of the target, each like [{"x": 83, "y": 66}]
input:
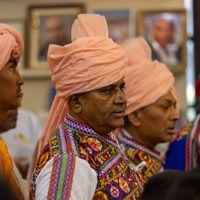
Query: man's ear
[
  {"x": 75, "y": 103},
  {"x": 134, "y": 118}
]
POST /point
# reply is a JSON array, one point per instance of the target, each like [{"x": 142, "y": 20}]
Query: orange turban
[
  {"x": 90, "y": 62},
  {"x": 146, "y": 80},
  {"x": 11, "y": 44}
]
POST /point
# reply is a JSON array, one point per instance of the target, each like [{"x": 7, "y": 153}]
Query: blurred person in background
[
  {"x": 186, "y": 186},
  {"x": 184, "y": 152},
  {"x": 11, "y": 48},
  {"x": 151, "y": 112},
  {"x": 158, "y": 186}
]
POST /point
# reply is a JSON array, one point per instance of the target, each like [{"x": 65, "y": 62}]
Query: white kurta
[{"x": 83, "y": 185}]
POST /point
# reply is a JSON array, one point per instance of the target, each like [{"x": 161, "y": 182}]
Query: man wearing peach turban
[
  {"x": 11, "y": 48},
  {"x": 151, "y": 110},
  {"x": 79, "y": 155}
]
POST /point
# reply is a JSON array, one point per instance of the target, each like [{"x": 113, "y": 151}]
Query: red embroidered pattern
[
  {"x": 115, "y": 178},
  {"x": 137, "y": 153}
]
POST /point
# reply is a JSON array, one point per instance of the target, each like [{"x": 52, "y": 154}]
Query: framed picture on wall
[
  {"x": 165, "y": 31},
  {"x": 120, "y": 23},
  {"x": 48, "y": 24},
  {"x": 19, "y": 25}
]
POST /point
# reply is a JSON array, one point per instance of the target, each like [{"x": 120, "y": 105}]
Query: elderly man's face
[
  {"x": 158, "y": 120},
  {"x": 103, "y": 109},
  {"x": 11, "y": 93}
]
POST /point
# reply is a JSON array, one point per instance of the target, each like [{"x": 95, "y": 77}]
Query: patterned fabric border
[
  {"x": 61, "y": 177},
  {"x": 132, "y": 143}
]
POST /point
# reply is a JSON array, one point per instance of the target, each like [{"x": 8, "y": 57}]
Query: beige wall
[{"x": 36, "y": 89}]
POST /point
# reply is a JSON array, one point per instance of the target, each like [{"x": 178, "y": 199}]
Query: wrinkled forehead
[{"x": 118, "y": 84}]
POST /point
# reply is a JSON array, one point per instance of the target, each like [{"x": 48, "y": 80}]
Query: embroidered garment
[
  {"x": 138, "y": 153},
  {"x": 78, "y": 163},
  {"x": 183, "y": 154}
]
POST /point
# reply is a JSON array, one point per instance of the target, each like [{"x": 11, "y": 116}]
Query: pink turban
[
  {"x": 11, "y": 44},
  {"x": 146, "y": 80},
  {"x": 90, "y": 62}
]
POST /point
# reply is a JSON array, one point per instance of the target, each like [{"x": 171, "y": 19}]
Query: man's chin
[
  {"x": 10, "y": 120},
  {"x": 168, "y": 139},
  {"x": 119, "y": 123},
  {"x": 13, "y": 124},
  {"x": 7, "y": 127}
]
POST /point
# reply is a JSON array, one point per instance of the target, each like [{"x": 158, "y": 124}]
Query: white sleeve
[{"x": 84, "y": 181}]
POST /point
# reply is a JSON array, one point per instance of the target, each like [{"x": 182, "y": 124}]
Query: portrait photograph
[
  {"x": 49, "y": 25},
  {"x": 165, "y": 31},
  {"x": 120, "y": 24}
]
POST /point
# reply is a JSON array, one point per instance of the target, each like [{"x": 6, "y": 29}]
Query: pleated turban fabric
[
  {"x": 11, "y": 44},
  {"x": 146, "y": 80},
  {"x": 90, "y": 62}
]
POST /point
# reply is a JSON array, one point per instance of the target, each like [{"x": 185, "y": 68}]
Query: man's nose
[
  {"x": 20, "y": 80},
  {"x": 120, "y": 97},
  {"x": 175, "y": 113}
]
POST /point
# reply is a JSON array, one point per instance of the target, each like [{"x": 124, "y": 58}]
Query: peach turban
[
  {"x": 146, "y": 80},
  {"x": 11, "y": 44},
  {"x": 90, "y": 62}
]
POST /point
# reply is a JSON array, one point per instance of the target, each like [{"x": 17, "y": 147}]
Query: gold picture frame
[
  {"x": 165, "y": 31},
  {"x": 48, "y": 24}
]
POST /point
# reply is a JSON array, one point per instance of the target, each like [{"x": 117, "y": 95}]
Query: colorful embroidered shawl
[
  {"x": 183, "y": 154},
  {"x": 137, "y": 153},
  {"x": 115, "y": 178}
]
